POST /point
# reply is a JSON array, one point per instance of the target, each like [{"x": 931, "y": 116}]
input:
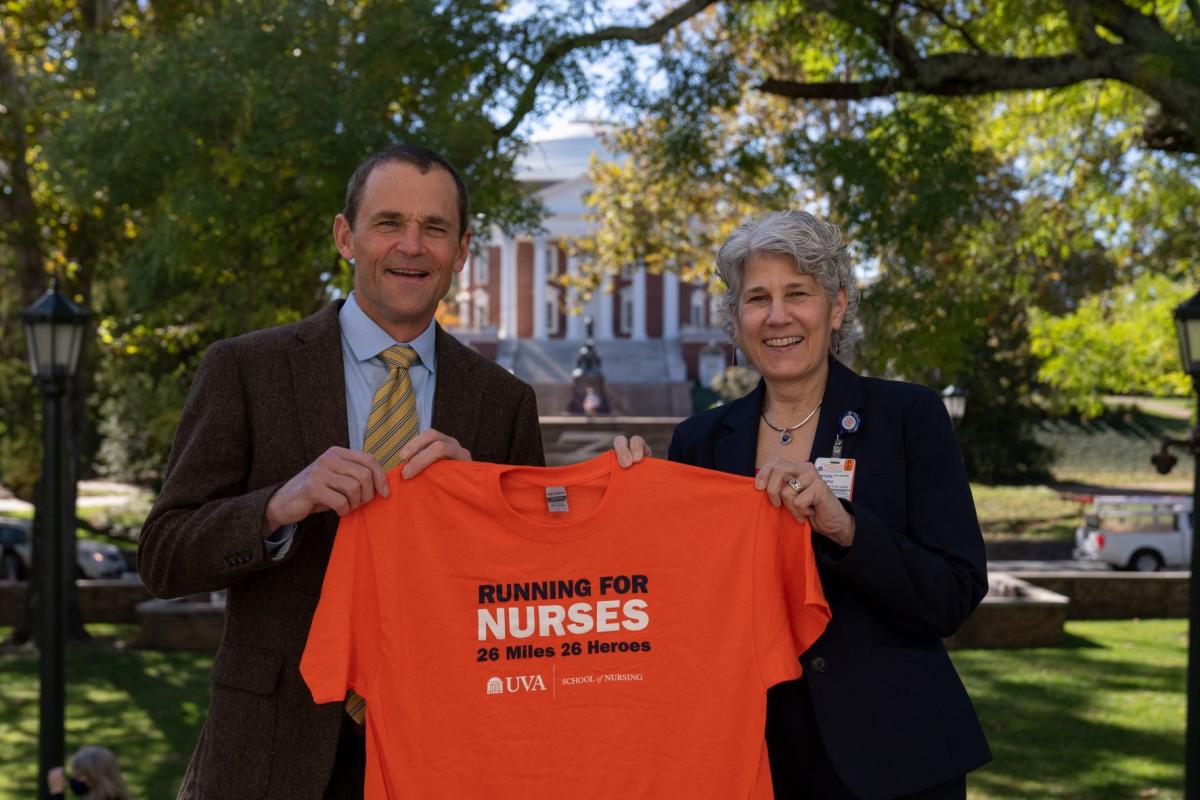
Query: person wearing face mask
[
  {"x": 94, "y": 776},
  {"x": 874, "y": 466}
]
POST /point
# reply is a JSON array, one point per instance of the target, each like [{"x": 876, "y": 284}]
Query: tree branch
[
  {"x": 561, "y": 48},
  {"x": 880, "y": 27},
  {"x": 958, "y": 27},
  {"x": 1083, "y": 24},
  {"x": 1130, "y": 24},
  {"x": 962, "y": 74},
  {"x": 1161, "y": 132},
  {"x": 1194, "y": 7}
]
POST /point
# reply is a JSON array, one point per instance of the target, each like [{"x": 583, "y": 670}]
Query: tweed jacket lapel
[
  {"x": 319, "y": 382},
  {"x": 735, "y": 449},
  {"x": 456, "y": 401}
]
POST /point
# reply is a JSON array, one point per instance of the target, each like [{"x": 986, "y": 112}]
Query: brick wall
[
  {"x": 99, "y": 601},
  {"x": 1117, "y": 595},
  {"x": 173, "y": 625},
  {"x": 1014, "y": 614}
]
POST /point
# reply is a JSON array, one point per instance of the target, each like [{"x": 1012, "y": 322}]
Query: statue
[{"x": 587, "y": 380}]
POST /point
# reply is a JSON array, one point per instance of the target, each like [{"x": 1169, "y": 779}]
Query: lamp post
[
  {"x": 1187, "y": 324},
  {"x": 54, "y": 336},
  {"x": 955, "y": 400}
]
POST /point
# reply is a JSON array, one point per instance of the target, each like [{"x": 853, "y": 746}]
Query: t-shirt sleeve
[
  {"x": 790, "y": 608},
  {"x": 343, "y": 638}
]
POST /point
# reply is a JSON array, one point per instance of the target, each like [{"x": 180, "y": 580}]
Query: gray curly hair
[{"x": 813, "y": 245}]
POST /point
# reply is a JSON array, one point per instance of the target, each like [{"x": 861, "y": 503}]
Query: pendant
[{"x": 785, "y": 437}]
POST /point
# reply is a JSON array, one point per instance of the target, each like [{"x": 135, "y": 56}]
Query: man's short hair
[{"x": 423, "y": 159}]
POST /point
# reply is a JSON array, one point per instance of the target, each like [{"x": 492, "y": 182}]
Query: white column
[
  {"x": 670, "y": 301},
  {"x": 638, "y": 334},
  {"x": 508, "y": 288},
  {"x": 603, "y": 300},
  {"x": 539, "y": 288},
  {"x": 575, "y": 331},
  {"x": 462, "y": 298}
]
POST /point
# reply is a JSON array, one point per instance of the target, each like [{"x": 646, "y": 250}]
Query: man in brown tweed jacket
[{"x": 269, "y": 453}]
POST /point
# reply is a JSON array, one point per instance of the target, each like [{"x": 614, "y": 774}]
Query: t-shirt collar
[{"x": 367, "y": 339}]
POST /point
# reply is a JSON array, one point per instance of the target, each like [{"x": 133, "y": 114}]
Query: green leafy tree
[
  {"x": 986, "y": 161},
  {"x": 1119, "y": 341},
  {"x": 176, "y": 165}
]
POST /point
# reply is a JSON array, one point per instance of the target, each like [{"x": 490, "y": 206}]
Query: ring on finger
[{"x": 795, "y": 484}]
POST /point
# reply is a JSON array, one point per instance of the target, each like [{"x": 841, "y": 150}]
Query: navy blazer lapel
[
  {"x": 843, "y": 392},
  {"x": 319, "y": 383},
  {"x": 456, "y": 403},
  {"x": 735, "y": 450}
]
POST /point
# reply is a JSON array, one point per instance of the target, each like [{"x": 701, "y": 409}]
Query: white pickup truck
[{"x": 1138, "y": 532}]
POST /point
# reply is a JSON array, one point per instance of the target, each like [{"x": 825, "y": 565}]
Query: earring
[{"x": 353, "y": 263}]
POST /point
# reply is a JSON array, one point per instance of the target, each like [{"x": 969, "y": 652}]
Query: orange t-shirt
[{"x": 584, "y": 631}]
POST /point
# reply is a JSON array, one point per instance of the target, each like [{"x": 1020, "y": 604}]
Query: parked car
[
  {"x": 14, "y": 550},
  {"x": 93, "y": 559},
  {"x": 1138, "y": 532}
]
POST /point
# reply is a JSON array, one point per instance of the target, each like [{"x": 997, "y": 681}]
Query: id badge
[{"x": 838, "y": 474}]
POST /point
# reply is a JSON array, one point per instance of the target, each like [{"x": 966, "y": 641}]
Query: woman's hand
[
  {"x": 630, "y": 451},
  {"x": 800, "y": 488},
  {"x": 56, "y": 780}
]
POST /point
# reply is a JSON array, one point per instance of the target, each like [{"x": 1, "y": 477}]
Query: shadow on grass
[
  {"x": 1073, "y": 641},
  {"x": 1100, "y": 718},
  {"x": 1117, "y": 442},
  {"x": 147, "y": 707},
  {"x": 1111, "y": 487},
  {"x": 1126, "y": 423},
  {"x": 1081, "y": 721}
]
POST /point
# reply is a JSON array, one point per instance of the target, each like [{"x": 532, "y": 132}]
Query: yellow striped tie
[
  {"x": 393, "y": 417},
  {"x": 391, "y": 423}
]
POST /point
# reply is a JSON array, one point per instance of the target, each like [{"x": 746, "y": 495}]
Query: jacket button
[{"x": 816, "y": 664}]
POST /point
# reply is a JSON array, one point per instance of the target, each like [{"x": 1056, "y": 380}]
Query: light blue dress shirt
[{"x": 362, "y": 342}]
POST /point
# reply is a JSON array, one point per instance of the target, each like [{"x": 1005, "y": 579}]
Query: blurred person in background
[{"x": 94, "y": 775}]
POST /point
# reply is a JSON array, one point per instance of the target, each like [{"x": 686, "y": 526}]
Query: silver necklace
[{"x": 785, "y": 434}]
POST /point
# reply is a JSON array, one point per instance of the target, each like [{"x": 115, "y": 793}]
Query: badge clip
[{"x": 848, "y": 423}]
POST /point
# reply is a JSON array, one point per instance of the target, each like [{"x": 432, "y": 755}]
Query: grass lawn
[
  {"x": 1110, "y": 453},
  {"x": 1115, "y": 448},
  {"x": 147, "y": 707},
  {"x": 1028, "y": 512},
  {"x": 1099, "y": 719}
]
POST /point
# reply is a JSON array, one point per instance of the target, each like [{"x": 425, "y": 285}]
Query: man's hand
[
  {"x": 427, "y": 447},
  {"x": 340, "y": 479},
  {"x": 630, "y": 451}
]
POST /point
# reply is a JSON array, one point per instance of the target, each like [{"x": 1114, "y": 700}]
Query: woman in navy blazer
[{"x": 880, "y": 712}]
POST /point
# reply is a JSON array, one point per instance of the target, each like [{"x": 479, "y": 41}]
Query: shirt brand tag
[{"x": 556, "y": 499}]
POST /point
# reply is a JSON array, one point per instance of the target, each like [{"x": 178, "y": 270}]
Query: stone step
[{"x": 551, "y": 361}]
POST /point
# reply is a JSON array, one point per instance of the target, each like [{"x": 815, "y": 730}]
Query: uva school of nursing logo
[{"x": 516, "y": 683}]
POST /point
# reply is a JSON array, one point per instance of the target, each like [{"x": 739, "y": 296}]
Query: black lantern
[
  {"x": 1187, "y": 325},
  {"x": 54, "y": 328},
  {"x": 955, "y": 400},
  {"x": 54, "y": 335}
]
